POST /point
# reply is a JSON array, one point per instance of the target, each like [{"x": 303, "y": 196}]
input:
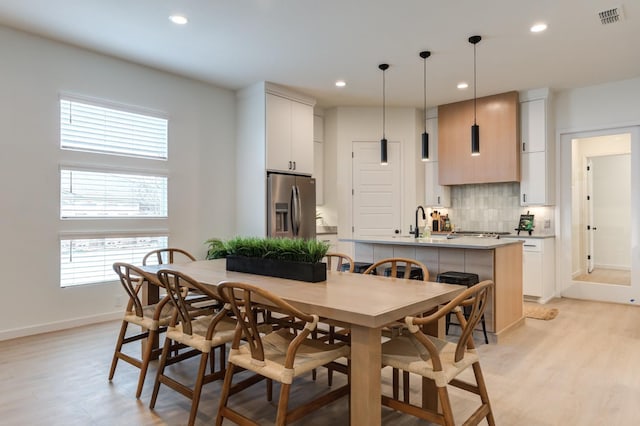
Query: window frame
[{"x": 103, "y": 227}]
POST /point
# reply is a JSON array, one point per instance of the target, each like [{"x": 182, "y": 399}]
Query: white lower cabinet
[
  {"x": 332, "y": 239},
  {"x": 538, "y": 268}
]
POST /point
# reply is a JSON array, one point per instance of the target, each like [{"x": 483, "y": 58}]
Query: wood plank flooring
[{"x": 579, "y": 369}]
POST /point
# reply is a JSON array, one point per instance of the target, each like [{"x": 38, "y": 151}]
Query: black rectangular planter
[{"x": 301, "y": 271}]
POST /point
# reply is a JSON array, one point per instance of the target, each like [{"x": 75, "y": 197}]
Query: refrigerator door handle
[{"x": 295, "y": 210}]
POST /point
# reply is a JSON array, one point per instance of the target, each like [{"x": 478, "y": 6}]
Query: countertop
[
  {"x": 526, "y": 235},
  {"x": 468, "y": 242},
  {"x": 326, "y": 229}
]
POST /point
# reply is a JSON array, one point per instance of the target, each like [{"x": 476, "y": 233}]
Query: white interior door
[
  {"x": 591, "y": 227},
  {"x": 377, "y": 195}
]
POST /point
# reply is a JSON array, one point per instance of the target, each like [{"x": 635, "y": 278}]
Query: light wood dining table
[{"x": 365, "y": 302}]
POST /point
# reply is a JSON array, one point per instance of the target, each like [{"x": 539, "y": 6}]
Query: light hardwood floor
[
  {"x": 606, "y": 276},
  {"x": 581, "y": 368}
]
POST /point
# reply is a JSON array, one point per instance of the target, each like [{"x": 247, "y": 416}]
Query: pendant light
[
  {"x": 425, "y": 136},
  {"x": 383, "y": 141},
  {"x": 475, "y": 129}
]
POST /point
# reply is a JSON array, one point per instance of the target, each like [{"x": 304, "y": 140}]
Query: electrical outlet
[{"x": 547, "y": 223}]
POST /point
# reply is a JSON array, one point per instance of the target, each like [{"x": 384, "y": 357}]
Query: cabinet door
[
  {"x": 532, "y": 273},
  {"x": 435, "y": 195},
  {"x": 278, "y": 133},
  {"x": 302, "y": 137},
  {"x": 533, "y": 126},
  {"x": 497, "y": 116},
  {"x": 534, "y": 179}
]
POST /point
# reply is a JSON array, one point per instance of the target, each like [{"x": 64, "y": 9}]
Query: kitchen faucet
[{"x": 424, "y": 217}]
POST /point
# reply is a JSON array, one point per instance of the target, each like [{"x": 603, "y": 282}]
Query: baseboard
[{"x": 58, "y": 325}]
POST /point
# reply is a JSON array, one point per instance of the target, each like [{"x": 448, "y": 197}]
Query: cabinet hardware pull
[
  {"x": 289, "y": 165},
  {"x": 294, "y": 165},
  {"x": 524, "y": 198},
  {"x": 524, "y": 144}
]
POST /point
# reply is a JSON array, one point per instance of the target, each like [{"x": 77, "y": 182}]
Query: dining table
[{"x": 365, "y": 303}]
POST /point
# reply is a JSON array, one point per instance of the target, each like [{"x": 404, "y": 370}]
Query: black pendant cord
[
  {"x": 425, "y": 93},
  {"x": 384, "y": 103},
  {"x": 474, "y": 84}
]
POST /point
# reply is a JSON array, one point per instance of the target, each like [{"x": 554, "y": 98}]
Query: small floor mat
[{"x": 540, "y": 312}]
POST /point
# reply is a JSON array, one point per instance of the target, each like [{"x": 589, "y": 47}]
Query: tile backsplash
[{"x": 493, "y": 207}]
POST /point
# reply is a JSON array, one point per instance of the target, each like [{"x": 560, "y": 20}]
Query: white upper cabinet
[
  {"x": 435, "y": 195},
  {"x": 289, "y": 135},
  {"x": 537, "y": 150}
]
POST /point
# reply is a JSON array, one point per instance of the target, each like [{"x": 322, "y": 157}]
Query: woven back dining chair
[
  {"x": 152, "y": 319},
  {"x": 202, "y": 334},
  {"x": 442, "y": 361},
  {"x": 281, "y": 355}
]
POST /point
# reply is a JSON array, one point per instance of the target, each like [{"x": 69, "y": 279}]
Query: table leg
[{"x": 366, "y": 360}]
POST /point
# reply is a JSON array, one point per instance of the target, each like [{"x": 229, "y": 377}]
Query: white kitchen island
[{"x": 499, "y": 260}]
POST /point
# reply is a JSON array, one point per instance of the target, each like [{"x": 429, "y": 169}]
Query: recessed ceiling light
[
  {"x": 462, "y": 85},
  {"x": 341, "y": 83},
  {"x": 537, "y": 28},
  {"x": 178, "y": 19}
]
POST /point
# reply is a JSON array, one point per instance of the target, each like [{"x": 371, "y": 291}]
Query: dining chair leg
[
  {"x": 395, "y": 385},
  {"x": 405, "y": 386},
  {"x": 119, "y": 343},
  {"x": 197, "y": 389},
  {"x": 224, "y": 396},
  {"x": 283, "y": 404},
  {"x": 482, "y": 390},
  {"x": 269, "y": 390},
  {"x": 161, "y": 366},
  {"x": 447, "y": 412},
  {"x": 146, "y": 357}
]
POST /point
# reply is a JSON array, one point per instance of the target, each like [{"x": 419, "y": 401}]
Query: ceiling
[{"x": 308, "y": 44}]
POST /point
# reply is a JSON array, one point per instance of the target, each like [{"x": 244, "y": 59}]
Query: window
[
  {"x": 105, "y": 188},
  {"x": 90, "y": 260},
  {"x": 90, "y": 194},
  {"x": 94, "y": 128}
]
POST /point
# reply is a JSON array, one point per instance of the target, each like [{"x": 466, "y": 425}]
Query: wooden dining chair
[
  {"x": 167, "y": 255},
  {"x": 152, "y": 319},
  {"x": 399, "y": 267},
  {"x": 281, "y": 355},
  {"x": 442, "y": 361},
  {"x": 338, "y": 259},
  {"x": 202, "y": 334}
]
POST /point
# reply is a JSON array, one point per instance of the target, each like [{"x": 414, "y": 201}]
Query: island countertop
[{"x": 463, "y": 242}]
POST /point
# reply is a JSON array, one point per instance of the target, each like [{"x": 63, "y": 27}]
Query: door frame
[{"x": 566, "y": 286}]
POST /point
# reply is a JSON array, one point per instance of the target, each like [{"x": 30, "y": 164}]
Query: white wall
[{"x": 201, "y": 161}]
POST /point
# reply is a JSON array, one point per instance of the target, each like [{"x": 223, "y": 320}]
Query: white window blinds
[
  {"x": 92, "y": 194},
  {"x": 90, "y": 260},
  {"x": 95, "y": 128}
]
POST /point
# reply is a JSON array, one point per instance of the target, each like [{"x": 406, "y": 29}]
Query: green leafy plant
[{"x": 311, "y": 251}]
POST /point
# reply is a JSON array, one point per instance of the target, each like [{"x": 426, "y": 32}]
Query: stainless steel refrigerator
[{"x": 291, "y": 206}]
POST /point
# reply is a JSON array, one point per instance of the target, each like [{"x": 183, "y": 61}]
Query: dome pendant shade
[
  {"x": 425, "y": 146},
  {"x": 475, "y": 129}
]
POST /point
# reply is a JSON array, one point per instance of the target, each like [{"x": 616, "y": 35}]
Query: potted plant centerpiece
[{"x": 294, "y": 259}]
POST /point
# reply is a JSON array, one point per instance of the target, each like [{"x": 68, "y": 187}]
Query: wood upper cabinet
[{"x": 499, "y": 159}]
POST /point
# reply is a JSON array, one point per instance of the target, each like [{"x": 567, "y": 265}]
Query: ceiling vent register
[{"x": 611, "y": 16}]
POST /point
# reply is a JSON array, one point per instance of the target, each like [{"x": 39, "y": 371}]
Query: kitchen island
[{"x": 496, "y": 259}]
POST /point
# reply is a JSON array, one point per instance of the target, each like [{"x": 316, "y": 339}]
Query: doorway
[{"x": 600, "y": 257}]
